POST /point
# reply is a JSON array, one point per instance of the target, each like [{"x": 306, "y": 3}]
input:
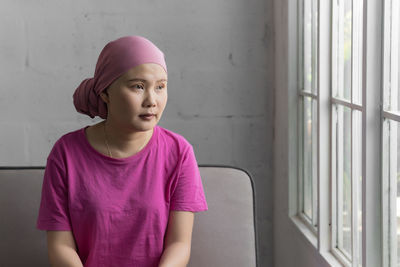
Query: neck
[{"x": 125, "y": 139}]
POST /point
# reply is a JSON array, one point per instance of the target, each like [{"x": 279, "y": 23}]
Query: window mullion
[
  {"x": 324, "y": 128},
  {"x": 371, "y": 133}
]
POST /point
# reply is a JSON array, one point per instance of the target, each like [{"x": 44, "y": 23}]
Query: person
[{"x": 122, "y": 192}]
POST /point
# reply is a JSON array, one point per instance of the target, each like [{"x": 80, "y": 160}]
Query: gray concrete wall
[{"x": 220, "y": 58}]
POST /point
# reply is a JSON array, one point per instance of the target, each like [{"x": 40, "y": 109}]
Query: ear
[{"x": 104, "y": 96}]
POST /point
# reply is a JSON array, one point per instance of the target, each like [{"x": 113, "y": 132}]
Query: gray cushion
[{"x": 222, "y": 236}]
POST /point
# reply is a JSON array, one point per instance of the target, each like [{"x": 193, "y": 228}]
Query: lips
[{"x": 147, "y": 114}]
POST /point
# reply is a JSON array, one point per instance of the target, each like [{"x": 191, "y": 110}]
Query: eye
[
  {"x": 161, "y": 86},
  {"x": 137, "y": 86}
]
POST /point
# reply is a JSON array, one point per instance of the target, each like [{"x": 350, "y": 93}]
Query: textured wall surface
[{"x": 220, "y": 59}]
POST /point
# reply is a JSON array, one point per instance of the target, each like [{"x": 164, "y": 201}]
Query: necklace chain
[{"x": 105, "y": 138}]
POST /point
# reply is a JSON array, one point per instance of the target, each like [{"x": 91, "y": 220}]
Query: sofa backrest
[{"x": 224, "y": 235}]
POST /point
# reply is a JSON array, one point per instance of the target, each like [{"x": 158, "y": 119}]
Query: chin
[{"x": 146, "y": 126}]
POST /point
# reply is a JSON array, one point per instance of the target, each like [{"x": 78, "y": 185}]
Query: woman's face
[{"x": 140, "y": 90}]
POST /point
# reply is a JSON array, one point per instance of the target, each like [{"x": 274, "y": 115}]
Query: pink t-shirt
[{"x": 117, "y": 209}]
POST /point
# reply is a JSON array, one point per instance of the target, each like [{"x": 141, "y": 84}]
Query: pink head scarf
[{"x": 115, "y": 59}]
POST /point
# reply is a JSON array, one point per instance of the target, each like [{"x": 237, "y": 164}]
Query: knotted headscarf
[{"x": 115, "y": 59}]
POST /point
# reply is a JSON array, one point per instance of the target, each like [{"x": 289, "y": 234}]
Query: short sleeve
[
  {"x": 53, "y": 210},
  {"x": 189, "y": 192}
]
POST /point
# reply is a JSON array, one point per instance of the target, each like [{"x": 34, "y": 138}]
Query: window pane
[
  {"x": 357, "y": 184},
  {"x": 392, "y": 58},
  {"x": 314, "y": 12},
  {"x": 308, "y": 158},
  {"x": 315, "y": 163},
  {"x": 307, "y": 46},
  {"x": 395, "y": 58},
  {"x": 347, "y": 127},
  {"x": 346, "y": 54},
  {"x": 391, "y": 169},
  {"x": 391, "y": 172},
  {"x": 394, "y": 178},
  {"x": 391, "y": 135},
  {"x": 308, "y": 148},
  {"x": 342, "y": 146},
  {"x": 385, "y": 189},
  {"x": 310, "y": 45},
  {"x": 357, "y": 51},
  {"x": 342, "y": 19}
]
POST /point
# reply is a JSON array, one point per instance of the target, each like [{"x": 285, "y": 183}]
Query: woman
[{"x": 122, "y": 192}]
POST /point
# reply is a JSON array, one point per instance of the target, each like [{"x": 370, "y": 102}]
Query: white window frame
[
  {"x": 372, "y": 132},
  {"x": 371, "y": 167},
  {"x": 352, "y": 104},
  {"x": 311, "y": 224},
  {"x": 389, "y": 185}
]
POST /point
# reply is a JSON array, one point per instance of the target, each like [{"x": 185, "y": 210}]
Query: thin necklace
[{"x": 105, "y": 138}]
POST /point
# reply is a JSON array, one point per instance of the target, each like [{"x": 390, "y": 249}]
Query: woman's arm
[
  {"x": 62, "y": 249},
  {"x": 178, "y": 239},
  {"x": 176, "y": 254}
]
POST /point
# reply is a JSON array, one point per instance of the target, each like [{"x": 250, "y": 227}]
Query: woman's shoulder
[
  {"x": 66, "y": 141},
  {"x": 172, "y": 138},
  {"x": 70, "y": 137}
]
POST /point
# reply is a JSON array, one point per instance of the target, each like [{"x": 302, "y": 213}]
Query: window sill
[
  {"x": 312, "y": 239},
  {"x": 305, "y": 230}
]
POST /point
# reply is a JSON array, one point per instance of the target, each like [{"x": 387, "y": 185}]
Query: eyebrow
[{"x": 143, "y": 80}]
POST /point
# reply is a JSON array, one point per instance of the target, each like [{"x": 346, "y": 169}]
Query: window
[
  {"x": 347, "y": 109},
  {"x": 362, "y": 187},
  {"x": 342, "y": 134},
  {"x": 308, "y": 116},
  {"x": 391, "y": 135}
]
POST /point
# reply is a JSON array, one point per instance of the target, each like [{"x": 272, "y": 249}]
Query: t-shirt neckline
[{"x": 134, "y": 157}]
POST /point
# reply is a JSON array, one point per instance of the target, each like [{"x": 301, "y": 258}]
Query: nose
[{"x": 150, "y": 98}]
